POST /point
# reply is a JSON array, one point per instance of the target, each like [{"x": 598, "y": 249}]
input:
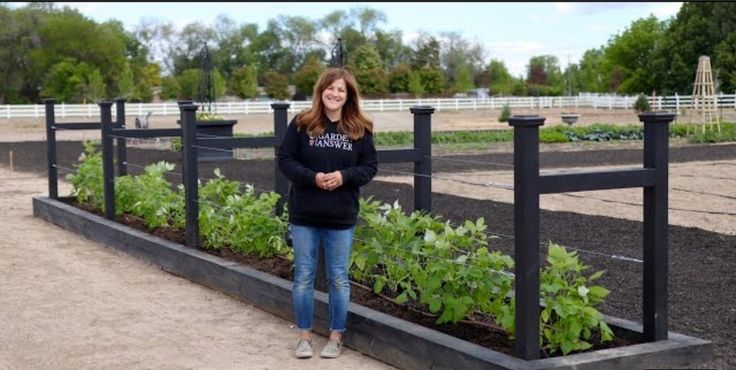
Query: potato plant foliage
[{"x": 414, "y": 259}]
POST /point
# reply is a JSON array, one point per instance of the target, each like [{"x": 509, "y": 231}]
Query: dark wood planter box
[
  {"x": 389, "y": 339},
  {"x": 214, "y": 128}
]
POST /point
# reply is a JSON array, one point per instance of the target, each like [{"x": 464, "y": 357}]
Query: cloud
[
  {"x": 665, "y": 10},
  {"x": 590, "y": 8}
]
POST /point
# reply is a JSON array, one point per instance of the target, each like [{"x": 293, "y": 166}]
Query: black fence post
[
  {"x": 656, "y": 152},
  {"x": 190, "y": 171},
  {"x": 108, "y": 170},
  {"x": 526, "y": 233},
  {"x": 51, "y": 149},
  {"x": 122, "y": 148},
  {"x": 423, "y": 168},
  {"x": 280, "y": 122}
]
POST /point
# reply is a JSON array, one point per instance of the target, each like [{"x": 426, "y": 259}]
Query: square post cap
[
  {"x": 280, "y": 105},
  {"x": 661, "y": 116},
  {"x": 526, "y": 121},
  {"x": 422, "y": 109}
]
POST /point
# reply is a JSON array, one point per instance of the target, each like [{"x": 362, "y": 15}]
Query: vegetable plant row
[{"x": 417, "y": 259}]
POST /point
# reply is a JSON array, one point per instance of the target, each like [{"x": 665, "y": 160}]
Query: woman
[{"x": 328, "y": 154}]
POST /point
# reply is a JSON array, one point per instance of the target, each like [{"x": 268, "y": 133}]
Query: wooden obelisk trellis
[{"x": 704, "y": 95}]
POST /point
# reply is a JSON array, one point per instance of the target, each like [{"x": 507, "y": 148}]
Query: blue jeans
[{"x": 337, "y": 247}]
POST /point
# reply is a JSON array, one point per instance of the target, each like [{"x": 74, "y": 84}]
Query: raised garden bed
[{"x": 392, "y": 340}]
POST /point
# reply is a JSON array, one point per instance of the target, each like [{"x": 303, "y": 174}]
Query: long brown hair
[{"x": 353, "y": 122}]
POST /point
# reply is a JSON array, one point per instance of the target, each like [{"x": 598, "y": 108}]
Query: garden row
[
  {"x": 434, "y": 268},
  {"x": 414, "y": 258}
]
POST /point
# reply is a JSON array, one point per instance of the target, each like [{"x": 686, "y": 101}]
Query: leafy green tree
[
  {"x": 10, "y": 78},
  {"x": 58, "y": 34},
  {"x": 367, "y": 67},
  {"x": 398, "y": 79},
  {"x": 307, "y": 76},
  {"x": 592, "y": 74},
  {"x": 544, "y": 76},
  {"x": 152, "y": 74},
  {"x": 368, "y": 20},
  {"x": 125, "y": 82},
  {"x": 501, "y": 81},
  {"x": 632, "y": 52},
  {"x": 65, "y": 81},
  {"x": 170, "y": 89},
  {"x": 188, "y": 82},
  {"x": 696, "y": 30},
  {"x": 433, "y": 80},
  {"x": 142, "y": 92},
  {"x": 414, "y": 85},
  {"x": 457, "y": 52},
  {"x": 187, "y": 45},
  {"x": 244, "y": 82},
  {"x": 426, "y": 52},
  {"x": 463, "y": 83},
  {"x": 391, "y": 49},
  {"x": 725, "y": 55},
  {"x": 276, "y": 85},
  {"x": 96, "y": 86},
  {"x": 297, "y": 35}
]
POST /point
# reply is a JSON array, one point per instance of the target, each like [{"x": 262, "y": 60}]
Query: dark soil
[{"x": 702, "y": 285}]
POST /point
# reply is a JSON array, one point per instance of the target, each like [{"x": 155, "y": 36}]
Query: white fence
[{"x": 384, "y": 105}]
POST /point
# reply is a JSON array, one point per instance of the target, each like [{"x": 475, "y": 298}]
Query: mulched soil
[{"x": 701, "y": 283}]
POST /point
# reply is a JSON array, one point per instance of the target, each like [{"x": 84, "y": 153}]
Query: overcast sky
[{"x": 512, "y": 32}]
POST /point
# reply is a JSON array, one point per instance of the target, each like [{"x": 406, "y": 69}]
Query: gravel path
[{"x": 69, "y": 303}]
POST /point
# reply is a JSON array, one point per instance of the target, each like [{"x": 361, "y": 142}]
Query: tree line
[{"x": 53, "y": 51}]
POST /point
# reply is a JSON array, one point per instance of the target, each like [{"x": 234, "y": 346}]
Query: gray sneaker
[
  {"x": 303, "y": 348},
  {"x": 332, "y": 349}
]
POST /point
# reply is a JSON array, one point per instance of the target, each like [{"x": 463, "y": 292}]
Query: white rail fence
[{"x": 669, "y": 103}]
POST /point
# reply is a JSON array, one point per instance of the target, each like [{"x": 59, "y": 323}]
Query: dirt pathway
[{"x": 69, "y": 303}]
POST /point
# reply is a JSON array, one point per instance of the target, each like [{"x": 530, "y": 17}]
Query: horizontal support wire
[
  {"x": 213, "y": 149},
  {"x": 641, "y": 205},
  {"x": 704, "y": 193},
  {"x": 443, "y": 158},
  {"x": 706, "y": 177},
  {"x": 486, "y": 184}
]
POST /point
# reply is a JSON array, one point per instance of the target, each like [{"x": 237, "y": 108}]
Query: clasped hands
[{"x": 328, "y": 181}]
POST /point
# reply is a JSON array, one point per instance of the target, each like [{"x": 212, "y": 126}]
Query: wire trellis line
[
  {"x": 486, "y": 184},
  {"x": 444, "y": 158}
]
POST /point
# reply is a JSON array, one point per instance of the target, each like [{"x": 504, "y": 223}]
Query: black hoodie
[{"x": 302, "y": 157}]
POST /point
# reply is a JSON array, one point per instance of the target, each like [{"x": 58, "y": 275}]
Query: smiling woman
[{"x": 328, "y": 154}]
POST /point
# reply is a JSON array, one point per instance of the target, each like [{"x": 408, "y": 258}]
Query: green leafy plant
[
  {"x": 505, "y": 113},
  {"x": 642, "y": 104},
  {"x": 209, "y": 116},
  {"x": 416, "y": 258},
  {"x": 569, "y": 319},
  {"x": 86, "y": 181}
]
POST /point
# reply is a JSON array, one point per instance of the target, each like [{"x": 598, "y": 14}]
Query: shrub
[
  {"x": 505, "y": 113},
  {"x": 642, "y": 104}
]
